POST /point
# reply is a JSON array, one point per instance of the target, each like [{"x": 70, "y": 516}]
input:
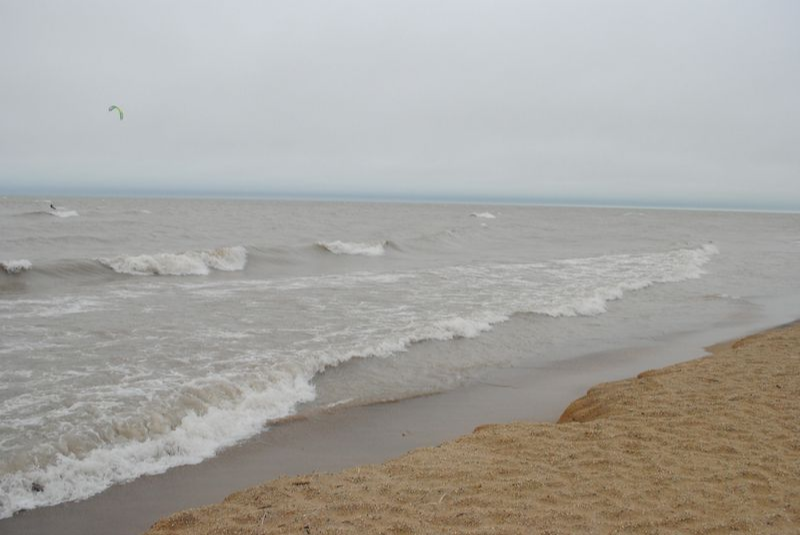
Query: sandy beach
[{"x": 707, "y": 446}]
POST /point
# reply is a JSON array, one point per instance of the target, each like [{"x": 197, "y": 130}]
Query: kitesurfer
[{"x": 119, "y": 110}]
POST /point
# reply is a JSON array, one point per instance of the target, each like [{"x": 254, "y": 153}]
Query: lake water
[{"x": 142, "y": 334}]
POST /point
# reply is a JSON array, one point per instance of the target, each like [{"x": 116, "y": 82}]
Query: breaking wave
[
  {"x": 363, "y": 249},
  {"x": 187, "y": 263},
  {"x": 483, "y": 215},
  {"x": 45, "y": 213},
  {"x": 197, "y": 436},
  {"x": 13, "y": 267},
  {"x": 64, "y": 213}
]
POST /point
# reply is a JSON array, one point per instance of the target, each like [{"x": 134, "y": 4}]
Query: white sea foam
[
  {"x": 187, "y": 263},
  {"x": 723, "y": 296},
  {"x": 15, "y": 266},
  {"x": 345, "y": 248},
  {"x": 483, "y": 215},
  {"x": 338, "y": 403},
  {"x": 51, "y": 307},
  {"x": 197, "y": 437},
  {"x": 64, "y": 213},
  {"x": 217, "y": 423},
  {"x": 442, "y": 330},
  {"x": 638, "y": 272}
]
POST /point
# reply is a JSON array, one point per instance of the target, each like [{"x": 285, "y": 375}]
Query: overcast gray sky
[{"x": 693, "y": 101}]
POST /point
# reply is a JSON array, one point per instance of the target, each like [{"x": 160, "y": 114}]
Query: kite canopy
[{"x": 112, "y": 108}]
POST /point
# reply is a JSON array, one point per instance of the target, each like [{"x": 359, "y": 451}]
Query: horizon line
[{"x": 523, "y": 200}]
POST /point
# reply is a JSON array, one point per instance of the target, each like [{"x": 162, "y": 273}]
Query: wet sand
[
  {"x": 707, "y": 446},
  {"x": 335, "y": 440}
]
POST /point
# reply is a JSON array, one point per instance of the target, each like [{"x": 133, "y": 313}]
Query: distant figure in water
[{"x": 53, "y": 207}]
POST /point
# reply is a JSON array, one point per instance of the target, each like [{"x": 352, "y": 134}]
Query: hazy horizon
[
  {"x": 64, "y": 196},
  {"x": 615, "y": 102}
]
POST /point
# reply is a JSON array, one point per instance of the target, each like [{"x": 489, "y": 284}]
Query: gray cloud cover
[{"x": 672, "y": 101}]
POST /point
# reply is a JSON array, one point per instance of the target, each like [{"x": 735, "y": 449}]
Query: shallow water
[{"x": 141, "y": 334}]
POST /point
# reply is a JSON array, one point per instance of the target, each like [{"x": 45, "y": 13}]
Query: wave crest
[
  {"x": 198, "y": 435},
  {"x": 346, "y": 248},
  {"x": 187, "y": 263},
  {"x": 64, "y": 213},
  {"x": 12, "y": 267}
]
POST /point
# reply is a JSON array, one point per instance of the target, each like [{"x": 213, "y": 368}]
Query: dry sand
[{"x": 707, "y": 446}]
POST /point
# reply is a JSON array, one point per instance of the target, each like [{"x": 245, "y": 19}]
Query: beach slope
[{"x": 707, "y": 446}]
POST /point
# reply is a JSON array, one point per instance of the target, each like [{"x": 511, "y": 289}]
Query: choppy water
[{"x": 141, "y": 334}]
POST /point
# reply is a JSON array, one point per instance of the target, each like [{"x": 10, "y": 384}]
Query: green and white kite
[{"x": 112, "y": 108}]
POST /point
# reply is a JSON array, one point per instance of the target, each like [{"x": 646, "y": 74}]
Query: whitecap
[
  {"x": 51, "y": 307},
  {"x": 186, "y": 263},
  {"x": 484, "y": 215},
  {"x": 345, "y": 248},
  {"x": 64, "y": 213},
  {"x": 15, "y": 266}
]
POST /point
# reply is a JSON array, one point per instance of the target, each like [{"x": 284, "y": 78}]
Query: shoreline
[
  {"x": 338, "y": 439},
  {"x": 709, "y": 445}
]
